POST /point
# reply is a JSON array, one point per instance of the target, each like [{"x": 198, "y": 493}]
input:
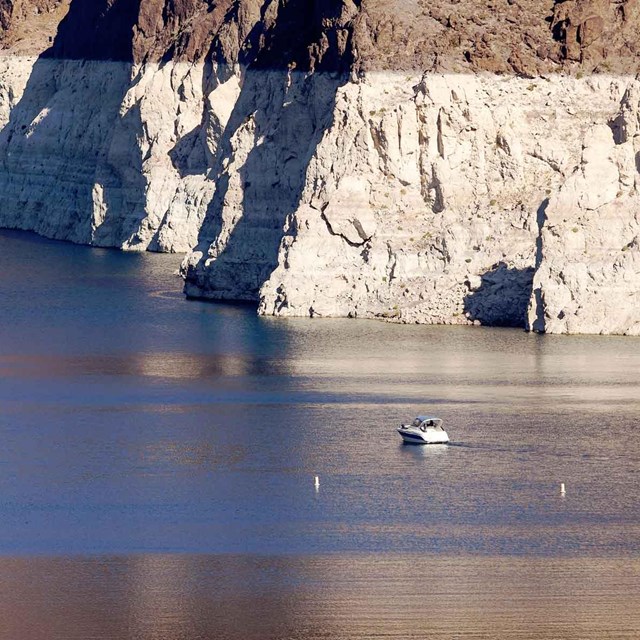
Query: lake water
[{"x": 158, "y": 455}]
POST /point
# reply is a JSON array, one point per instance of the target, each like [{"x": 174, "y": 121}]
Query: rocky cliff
[{"x": 450, "y": 161}]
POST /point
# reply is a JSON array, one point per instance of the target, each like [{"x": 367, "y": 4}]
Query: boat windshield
[{"x": 427, "y": 421}]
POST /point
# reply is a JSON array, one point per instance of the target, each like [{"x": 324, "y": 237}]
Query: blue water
[
  {"x": 152, "y": 448},
  {"x": 136, "y": 421}
]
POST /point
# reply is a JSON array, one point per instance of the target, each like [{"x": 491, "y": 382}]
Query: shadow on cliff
[
  {"x": 538, "y": 323},
  {"x": 502, "y": 298},
  {"x": 66, "y": 134},
  {"x": 285, "y": 106}
]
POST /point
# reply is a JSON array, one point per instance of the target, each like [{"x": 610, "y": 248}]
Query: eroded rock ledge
[{"x": 435, "y": 162}]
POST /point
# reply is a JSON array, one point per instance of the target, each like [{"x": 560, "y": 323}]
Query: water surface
[{"x": 153, "y": 448}]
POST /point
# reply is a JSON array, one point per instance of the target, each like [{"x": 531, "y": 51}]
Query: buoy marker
[
  {"x": 316, "y": 482},
  {"x": 562, "y": 489}
]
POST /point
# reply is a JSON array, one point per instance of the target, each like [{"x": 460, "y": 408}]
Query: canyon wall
[{"x": 435, "y": 162}]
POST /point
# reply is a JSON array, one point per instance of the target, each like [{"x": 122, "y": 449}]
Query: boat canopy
[{"x": 432, "y": 421}]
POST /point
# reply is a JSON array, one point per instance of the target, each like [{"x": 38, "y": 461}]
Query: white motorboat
[{"x": 424, "y": 430}]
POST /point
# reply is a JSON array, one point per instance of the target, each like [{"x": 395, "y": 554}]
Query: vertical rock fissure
[
  {"x": 535, "y": 312},
  {"x": 286, "y": 103}
]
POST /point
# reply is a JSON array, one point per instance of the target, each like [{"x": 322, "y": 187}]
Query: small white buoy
[
  {"x": 316, "y": 482},
  {"x": 562, "y": 489}
]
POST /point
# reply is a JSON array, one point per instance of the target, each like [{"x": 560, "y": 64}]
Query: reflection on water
[
  {"x": 150, "y": 365},
  {"x": 136, "y": 425},
  {"x": 318, "y": 597}
]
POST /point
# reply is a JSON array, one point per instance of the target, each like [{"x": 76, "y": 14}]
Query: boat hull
[{"x": 417, "y": 436}]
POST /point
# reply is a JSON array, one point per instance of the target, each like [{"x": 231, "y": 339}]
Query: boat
[{"x": 424, "y": 430}]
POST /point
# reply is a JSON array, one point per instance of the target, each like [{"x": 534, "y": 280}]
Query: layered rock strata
[
  {"x": 439, "y": 200},
  {"x": 436, "y": 162}
]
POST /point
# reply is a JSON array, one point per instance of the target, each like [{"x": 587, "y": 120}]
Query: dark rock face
[
  {"x": 6, "y": 14},
  {"x": 96, "y": 30},
  {"x": 179, "y": 29},
  {"x": 499, "y": 36},
  {"x": 598, "y": 33},
  {"x": 28, "y": 26},
  {"x": 266, "y": 34},
  {"x": 138, "y": 30},
  {"x": 307, "y": 36},
  {"x": 15, "y": 11},
  {"x": 529, "y": 38}
]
